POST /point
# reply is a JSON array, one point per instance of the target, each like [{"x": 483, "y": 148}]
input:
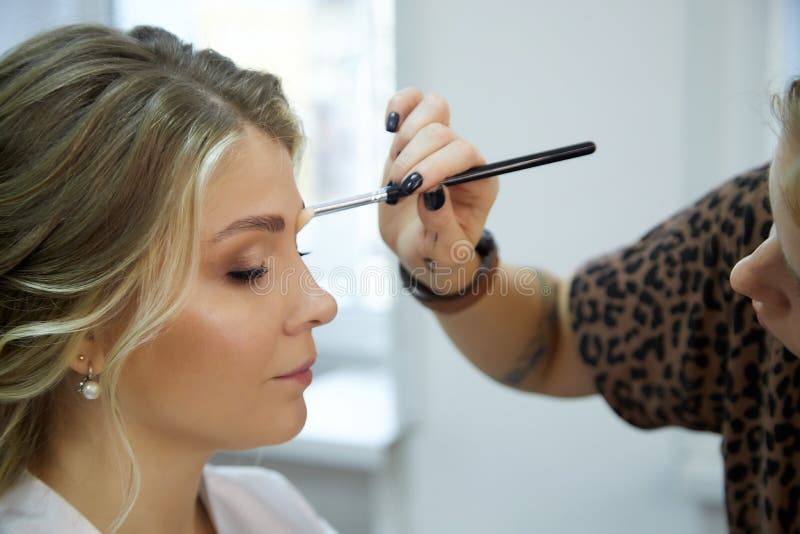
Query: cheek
[{"x": 208, "y": 366}]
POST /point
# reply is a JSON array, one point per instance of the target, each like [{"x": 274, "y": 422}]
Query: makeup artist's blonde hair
[
  {"x": 107, "y": 140},
  {"x": 787, "y": 110}
]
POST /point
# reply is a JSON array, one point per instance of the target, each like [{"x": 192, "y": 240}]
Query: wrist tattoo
[{"x": 544, "y": 339}]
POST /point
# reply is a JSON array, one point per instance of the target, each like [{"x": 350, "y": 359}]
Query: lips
[{"x": 304, "y": 367}]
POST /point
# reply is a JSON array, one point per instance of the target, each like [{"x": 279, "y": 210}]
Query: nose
[
  {"x": 758, "y": 275},
  {"x": 313, "y": 306}
]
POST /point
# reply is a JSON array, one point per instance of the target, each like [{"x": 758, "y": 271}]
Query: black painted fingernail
[
  {"x": 391, "y": 122},
  {"x": 434, "y": 199},
  {"x": 411, "y": 183},
  {"x": 392, "y": 193}
]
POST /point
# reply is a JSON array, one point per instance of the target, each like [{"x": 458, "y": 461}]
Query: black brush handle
[
  {"x": 394, "y": 193},
  {"x": 522, "y": 162}
]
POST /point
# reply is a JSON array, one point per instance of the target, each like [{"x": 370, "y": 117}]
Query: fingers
[
  {"x": 435, "y": 210},
  {"x": 455, "y": 157},
  {"x": 431, "y": 108},
  {"x": 425, "y": 150},
  {"x": 444, "y": 249},
  {"x": 429, "y": 139},
  {"x": 401, "y": 105}
]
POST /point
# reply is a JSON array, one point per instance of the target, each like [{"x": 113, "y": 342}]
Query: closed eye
[
  {"x": 248, "y": 275},
  {"x": 254, "y": 274}
]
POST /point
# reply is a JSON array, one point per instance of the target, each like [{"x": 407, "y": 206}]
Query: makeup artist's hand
[{"x": 433, "y": 231}]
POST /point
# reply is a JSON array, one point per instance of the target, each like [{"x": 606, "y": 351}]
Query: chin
[
  {"x": 280, "y": 428},
  {"x": 271, "y": 428},
  {"x": 289, "y": 432}
]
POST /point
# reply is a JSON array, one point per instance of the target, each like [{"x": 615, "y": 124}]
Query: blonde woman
[{"x": 153, "y": 305}]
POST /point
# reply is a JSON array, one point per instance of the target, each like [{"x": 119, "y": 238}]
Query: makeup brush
[{"x": 391, "y": 193}]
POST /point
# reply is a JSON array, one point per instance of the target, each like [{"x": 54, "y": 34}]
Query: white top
[{"x": 239, "y": 499}]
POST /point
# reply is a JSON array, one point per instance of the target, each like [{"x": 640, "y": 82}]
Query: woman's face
[
  {"x": 770, "y": 276},
  {"x": 212, "y": 380}
]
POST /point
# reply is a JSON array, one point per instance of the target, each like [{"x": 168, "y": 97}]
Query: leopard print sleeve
[{"x": 656, "y": 320}]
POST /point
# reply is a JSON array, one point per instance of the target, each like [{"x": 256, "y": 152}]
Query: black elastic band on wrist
[{"x": 486, "y": 249}]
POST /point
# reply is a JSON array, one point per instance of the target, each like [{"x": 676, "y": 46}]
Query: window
[{"x": 336, "y": 60}]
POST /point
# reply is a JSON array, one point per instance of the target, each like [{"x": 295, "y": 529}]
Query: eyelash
[{"x": 255, "y": 274}]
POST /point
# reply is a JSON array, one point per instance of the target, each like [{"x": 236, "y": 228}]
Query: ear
[{"x": 91, "y": 351}]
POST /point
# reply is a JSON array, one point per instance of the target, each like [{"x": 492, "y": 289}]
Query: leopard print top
[{"x": 669, "y": 343}]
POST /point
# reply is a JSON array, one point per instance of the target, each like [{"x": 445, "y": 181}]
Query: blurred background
[{"x": 404, "y": 435}]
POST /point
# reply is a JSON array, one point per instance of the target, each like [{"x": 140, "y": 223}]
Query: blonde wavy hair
[{"x": 107, "y": 142}]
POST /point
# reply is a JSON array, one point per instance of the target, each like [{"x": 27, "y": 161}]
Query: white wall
[
  {"x": 673, "y": 93},
  {"x": 20, "y": 19}
]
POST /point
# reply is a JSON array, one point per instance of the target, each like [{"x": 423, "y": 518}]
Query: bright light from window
[{"x": 336, "y": 61}]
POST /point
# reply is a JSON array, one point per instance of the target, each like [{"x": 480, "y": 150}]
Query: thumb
[{"x": 435, "y": 210}]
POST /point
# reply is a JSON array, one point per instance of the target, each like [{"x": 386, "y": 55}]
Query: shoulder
[
  {"x": 657, "y": 321},
  {"x": 733, "y": 217},
  {"x": 30, "y": 506},
  {"x": 249, "y": 477},
  {"x": 240, "y": 494},
  {"x": 254, "y": 482}
]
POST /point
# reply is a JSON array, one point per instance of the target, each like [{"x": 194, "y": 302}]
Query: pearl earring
[{"x": 89, "y": 388}]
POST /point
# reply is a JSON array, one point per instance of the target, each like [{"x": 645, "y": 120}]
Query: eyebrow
[{"x": 270, "y": 223}]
